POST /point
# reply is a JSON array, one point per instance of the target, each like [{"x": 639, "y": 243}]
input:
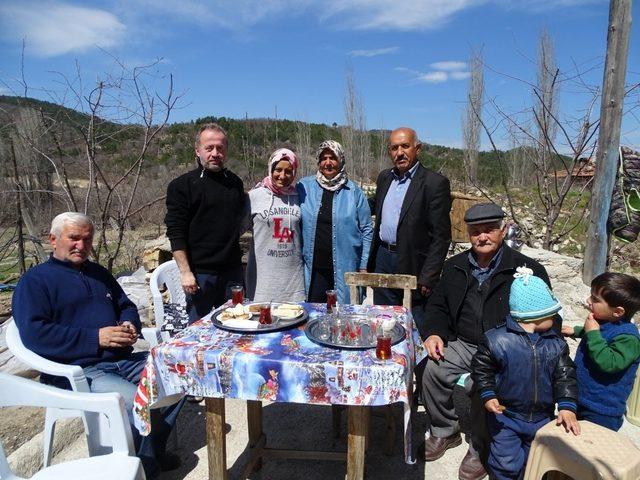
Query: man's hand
[
  {"x": 494, "y": 406},
  {"x": 362, "y": 270},
  {"x": 567, "y": 331},
  {"x": 116, "y": 337},
  {"x": 435, "y": 347},
  {"x": 131, "y": 327},
  {"x": 569, "y": 420},
  {"x": 189, "y": 284},
  {"x": 424, "y": 290}
]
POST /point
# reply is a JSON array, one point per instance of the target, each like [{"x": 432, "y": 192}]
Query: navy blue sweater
[{"x": 60, "y": 309}]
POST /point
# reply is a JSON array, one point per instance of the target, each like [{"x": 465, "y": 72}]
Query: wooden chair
[
  {"x": 371, "y": 281},
  {"x": 381, "y": 280}
]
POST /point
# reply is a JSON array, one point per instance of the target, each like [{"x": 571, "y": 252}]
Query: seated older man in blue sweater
[{"x": 73, "y": 311}]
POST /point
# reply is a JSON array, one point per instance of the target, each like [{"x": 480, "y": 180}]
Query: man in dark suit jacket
[{"x": 413, "y": 229}]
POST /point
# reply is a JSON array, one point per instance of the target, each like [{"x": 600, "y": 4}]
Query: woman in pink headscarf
[{"x": 275, "y": 271}]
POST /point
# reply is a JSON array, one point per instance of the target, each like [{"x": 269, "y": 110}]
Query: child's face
[
  {"x": 543, "y": 325},
  {"x": 601, "y": 310}
]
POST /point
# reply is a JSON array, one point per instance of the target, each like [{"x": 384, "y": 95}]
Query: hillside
[{"x": 251, "y": 140}]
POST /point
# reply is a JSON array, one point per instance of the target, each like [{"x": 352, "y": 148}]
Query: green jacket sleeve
[{"x": 614, "y": 356}]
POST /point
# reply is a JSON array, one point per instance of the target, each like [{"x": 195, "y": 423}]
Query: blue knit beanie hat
[{"x": 530, "y": 298}]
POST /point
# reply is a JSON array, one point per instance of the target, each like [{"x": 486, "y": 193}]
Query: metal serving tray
[{"x": 316, "y": 333}]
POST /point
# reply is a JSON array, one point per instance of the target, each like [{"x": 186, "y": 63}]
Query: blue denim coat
[{"x": 352, "y": 230}]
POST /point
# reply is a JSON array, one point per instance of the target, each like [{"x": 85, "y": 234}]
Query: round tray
[
  {"x": 313, "y": 332},
  {"x": 276, "y": 324}
]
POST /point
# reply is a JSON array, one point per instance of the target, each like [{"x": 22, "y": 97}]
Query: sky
[{"x": 409, "y": 59}]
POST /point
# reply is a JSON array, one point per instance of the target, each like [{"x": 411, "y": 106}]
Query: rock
[
  {"x": 136, "y": 286},
  {"x": 162, "y": 243},
  {"x": 566, "y": 279},
  {"x": 153, "y": 257},
  {"x": 27, "y": 459}
]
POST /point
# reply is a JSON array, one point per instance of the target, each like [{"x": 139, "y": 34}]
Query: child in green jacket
[{"x": 609, "y": 352}]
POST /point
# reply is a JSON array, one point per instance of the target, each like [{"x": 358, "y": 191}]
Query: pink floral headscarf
[{"x": 277, "y": 156}]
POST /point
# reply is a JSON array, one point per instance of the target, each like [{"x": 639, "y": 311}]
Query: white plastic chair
[
  {"x": 120, "y": 464},
  {"x": 95, "y": 425},
  {"x": 166, "y": 274}
]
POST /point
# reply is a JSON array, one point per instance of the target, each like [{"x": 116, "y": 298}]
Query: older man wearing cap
[{"x": 471, "y": 297}]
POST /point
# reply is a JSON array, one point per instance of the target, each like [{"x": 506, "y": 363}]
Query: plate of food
[
  {"x": 237, "y": 312},
  {"x": 287, "y": 311},
  {"x": 260, "y": 317}
]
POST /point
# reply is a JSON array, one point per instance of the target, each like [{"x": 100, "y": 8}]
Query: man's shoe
[
  {"x": 435, "y": 447},
  {"x": 471, "y": 468},
  {"x": 169, "y": 461}
]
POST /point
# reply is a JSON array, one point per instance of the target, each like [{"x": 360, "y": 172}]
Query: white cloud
[
  {"x": 54, "y": 28},
  {"x": 393, "y": 15},
  {"x": 449, "y": 66},
  {"x": 460, "y": 75},
  {"x": 229, "y": 14},
  {"x": 373, "y": 53},
  {"x": 433, "y": 77},
  {"x": 440, "y": 73}
]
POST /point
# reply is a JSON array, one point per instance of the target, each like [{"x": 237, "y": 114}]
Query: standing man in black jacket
[
  {"x": 471, "y": 297},
  {"x": 204, "y": 212},
  {"x": 413, "y": 229}
]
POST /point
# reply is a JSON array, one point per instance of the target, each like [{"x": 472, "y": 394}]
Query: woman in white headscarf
[
  {"x": 274, "y": 269},
  {"x": 336, "y": 225}
]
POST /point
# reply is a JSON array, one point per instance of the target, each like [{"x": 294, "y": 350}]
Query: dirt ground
[{"x": 18, "y": 425}]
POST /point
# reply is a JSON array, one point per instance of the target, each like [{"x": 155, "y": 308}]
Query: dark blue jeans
[
  {"x": 510, "y": 443},
  {"x": 607, "y": 421},
  {"x": 214, "y": 289},
  {"x": 122, "y": 376},
  {"x": 387, "y": 262}
]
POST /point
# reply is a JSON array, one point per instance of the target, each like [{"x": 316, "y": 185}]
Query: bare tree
[
  {"x": 94, "y": 153},
  {"x": 304, "y": 148},
  {"x": 551, "y": 149},
  {"x": 470, "y": 121},
  {"x": 355, "y": 137}
]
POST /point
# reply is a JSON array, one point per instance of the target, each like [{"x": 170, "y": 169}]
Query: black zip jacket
[
  {"x": 527, "y": 377},
  {"x": 443, "y": 309},
  {"x": 204, "y": 212}
]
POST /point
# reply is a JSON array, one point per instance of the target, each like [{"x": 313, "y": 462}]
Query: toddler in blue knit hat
[{"x": 521, "y": 370}]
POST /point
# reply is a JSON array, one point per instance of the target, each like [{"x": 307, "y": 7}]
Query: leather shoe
[
  {"x": 435, "y": 447},
  {"x": 471, "y": 468}
]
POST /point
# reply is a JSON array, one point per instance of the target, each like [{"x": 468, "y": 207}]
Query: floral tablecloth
[{"x": 284, "y": 366}]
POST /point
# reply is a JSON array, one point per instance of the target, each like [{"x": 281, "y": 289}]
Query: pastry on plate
[
  {"x": 235, "y": 313},
  {"x": 288, "y": 311}
]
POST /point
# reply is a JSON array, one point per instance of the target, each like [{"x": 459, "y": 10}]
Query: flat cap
[{"x": 483, "y": 213}]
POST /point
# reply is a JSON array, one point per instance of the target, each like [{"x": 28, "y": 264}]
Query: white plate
[{"x": 286, "y": 313}]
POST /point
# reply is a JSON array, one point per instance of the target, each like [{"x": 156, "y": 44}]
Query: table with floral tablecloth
[{"x": 283, "y": 366}]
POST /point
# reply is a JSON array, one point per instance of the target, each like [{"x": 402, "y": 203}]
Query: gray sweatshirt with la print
[{"x": 274, "y": 270}]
